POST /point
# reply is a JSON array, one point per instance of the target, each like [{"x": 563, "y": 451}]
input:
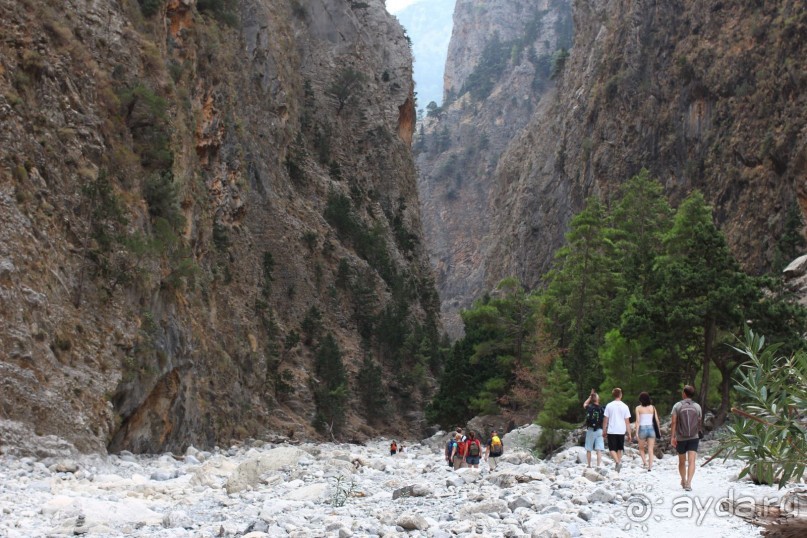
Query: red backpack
[{"x": 462, "y": 449}]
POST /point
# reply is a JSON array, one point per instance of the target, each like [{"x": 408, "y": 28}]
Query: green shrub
[
  {"x": 223, "y": 11},
  {"x": 160, "y": 193},
  {"x": 146, "y": 115},
  {"x": 150, "y": 7},
  {"x": 220, "y": 237},
  {"x": 769, "y": 433}
]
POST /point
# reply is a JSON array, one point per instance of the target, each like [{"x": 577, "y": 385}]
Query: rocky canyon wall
[
  {"x": 193, "y": 194},
  {"x": 707, "y": 95},
  {"x": 499, "y": 66}
]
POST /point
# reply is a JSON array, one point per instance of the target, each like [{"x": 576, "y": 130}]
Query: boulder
[
  {"x": 248, "y": 473},
  {"x": 601, "y": 495},
  {"x": 412, "y": 522},
  {"x": 548, "y": 528},
  {"x": 495, "y": 506},
  {"x": 525, "y": 438}
]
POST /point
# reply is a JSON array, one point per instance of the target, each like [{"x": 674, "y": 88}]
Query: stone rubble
[{"x": 264, "y": 490}]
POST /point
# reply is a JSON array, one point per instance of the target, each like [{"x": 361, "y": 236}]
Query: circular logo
[{"x": 639, "y": 507}]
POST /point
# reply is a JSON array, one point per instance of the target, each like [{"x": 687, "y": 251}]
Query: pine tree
[
  {"x": 371, "y": 390},
  {"x": 330, "y": 386},
  {"x": 701, "y": 290},
  {"x": 581, "y": 291},
  {"x": 560, "y": 401}
]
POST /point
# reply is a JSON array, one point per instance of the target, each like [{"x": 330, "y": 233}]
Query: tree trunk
[
  {"x": 725, "y": 388},
  {"x": 708, "y": 342}
]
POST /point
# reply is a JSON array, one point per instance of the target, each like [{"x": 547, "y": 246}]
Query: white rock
[
  {"x": 525, "y": 437},
  {"x": 412, "y": 522},
  {"x": 487, "y": 507},
  {"x": 247, "y": 474},
  {"x": 177, "y": 518},
  {"x": 548, "y": 528},
  {"x": 601, "y": 495},
  {"x": 311, "y": 492}
]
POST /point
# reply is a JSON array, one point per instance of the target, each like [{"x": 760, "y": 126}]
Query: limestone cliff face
[
  {"x": 706, "y": 95},
  {"x": 191, "y": 196},
  {"x": 499, "y": 65}
]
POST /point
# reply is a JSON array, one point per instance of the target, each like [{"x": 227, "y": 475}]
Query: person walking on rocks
[
  {"x": 645, "y": 433},
  {"x": 450, "y": 447},
  {"x": 493, "y": 449},
  {"x": 458, "y": 453},
  {"x": 595, "y": 413},
  {"x": 616, "y": 426},
  {"x": 687, "y": 419},
  {"x": 473, "y": 450},
  {"x": 393, "y": 448}
]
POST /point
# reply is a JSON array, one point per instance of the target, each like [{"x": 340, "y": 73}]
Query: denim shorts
[
  {"x": 594, "y": 440},
  {"x": 647, "y": 432},
  {"x": 472, "y": 460}
]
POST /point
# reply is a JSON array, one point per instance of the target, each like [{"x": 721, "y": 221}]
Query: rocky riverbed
[{"x": 271, "y": 489}]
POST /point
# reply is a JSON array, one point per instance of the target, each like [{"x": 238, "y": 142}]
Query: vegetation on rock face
[{"x": 642, "y": 297}]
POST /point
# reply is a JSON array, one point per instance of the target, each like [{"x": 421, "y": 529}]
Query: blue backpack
[{"x": 449, "y": 447}]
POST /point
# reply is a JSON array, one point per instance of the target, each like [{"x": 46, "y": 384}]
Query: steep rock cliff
[
  {"x": 706, "y": 95},
  {"x": 499, "y": 65},
  {"x": 192, "y": 194}
]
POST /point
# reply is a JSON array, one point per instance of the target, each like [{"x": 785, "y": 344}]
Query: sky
[{"x": 395, "y": 6}]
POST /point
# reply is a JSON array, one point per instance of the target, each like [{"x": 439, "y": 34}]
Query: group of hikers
[
  {"x": 466, "y": 451},
  {"x": 611, "y": 425}
]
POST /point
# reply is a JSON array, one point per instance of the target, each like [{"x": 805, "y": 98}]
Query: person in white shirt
[{"x": 616, "y": 426}]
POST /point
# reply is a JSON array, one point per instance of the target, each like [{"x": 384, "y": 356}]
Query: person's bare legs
[
  {"x": 642, "y": 444},
  {"x": 682, "y": 469},
  {"x": 599, "y": 458},
  {"x": 691, "y": 455},
  {"x": 588, "y": 458},
  {"x": 651, "y": 443}
]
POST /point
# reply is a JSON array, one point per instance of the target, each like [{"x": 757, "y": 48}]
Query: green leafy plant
[
  {"x": 769, "y": 432},
  {"x": 342, "y": 490}
]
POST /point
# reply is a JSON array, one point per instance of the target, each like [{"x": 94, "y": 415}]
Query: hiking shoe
[{"x": 687, "y": 488}]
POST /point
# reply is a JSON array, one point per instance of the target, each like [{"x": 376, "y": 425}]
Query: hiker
[
  {"x": 462, "y": 436},
  {"x": 595, "y": 413},
  {"x": 450, "y": 446},
  {"x": 616, "y": 426},
  {"x": 493, "y": 449},
  {"x": 687, "y": 419},
  {"x": 644, "y": 429},
  {"x": 473, "y": 450},
  {"x": 393, "y": 448},
  {"x": 458, "y": 453}
]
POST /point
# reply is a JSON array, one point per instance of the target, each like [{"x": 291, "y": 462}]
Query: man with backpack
[
  {"x": 687, "y": 418},
  {"x": 595, "y": 413},
  {"x": 473, "y": 450},
  {"x": 493, "y": 449}
]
